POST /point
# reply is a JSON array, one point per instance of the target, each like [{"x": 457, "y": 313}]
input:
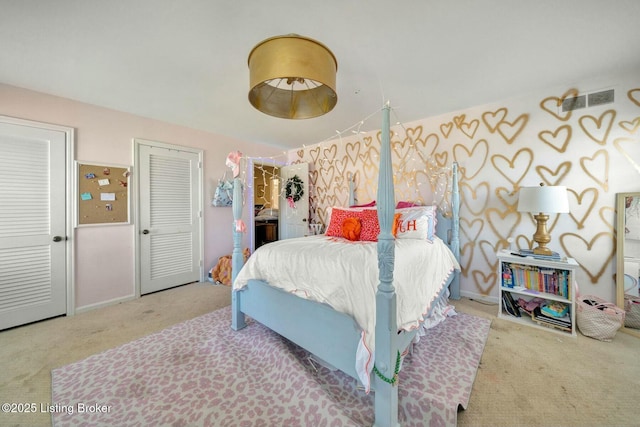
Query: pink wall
[{"x": 107, "y": 136}]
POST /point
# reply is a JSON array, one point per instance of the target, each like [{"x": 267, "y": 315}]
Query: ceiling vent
[{"x": 591, "y": 99}]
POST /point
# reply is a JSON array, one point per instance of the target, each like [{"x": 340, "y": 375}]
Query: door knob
[
  {"x": 145, "y": 231},
  {"x": 57, "y": 238}
]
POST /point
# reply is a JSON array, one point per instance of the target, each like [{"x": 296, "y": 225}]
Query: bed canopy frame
[{"x": 297, "y": 319}]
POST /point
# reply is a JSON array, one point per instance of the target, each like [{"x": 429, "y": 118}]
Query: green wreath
[{"x": 294, "y": 188}]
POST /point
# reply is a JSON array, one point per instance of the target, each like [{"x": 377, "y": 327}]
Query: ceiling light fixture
[{"x": 292, "y": 77}]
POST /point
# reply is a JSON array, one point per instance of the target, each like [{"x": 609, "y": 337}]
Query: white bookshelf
[{"x": 551, "y": 280}]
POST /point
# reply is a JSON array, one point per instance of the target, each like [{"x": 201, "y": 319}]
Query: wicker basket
[
  {"x": 598, "y": 318},
  {"x": 632, "y": 310}
]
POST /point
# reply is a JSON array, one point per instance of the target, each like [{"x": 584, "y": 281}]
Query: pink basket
[{"x": 598, "y": 318}]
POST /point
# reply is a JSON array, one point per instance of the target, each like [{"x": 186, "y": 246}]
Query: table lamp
[{"x": 542, "y": 200}]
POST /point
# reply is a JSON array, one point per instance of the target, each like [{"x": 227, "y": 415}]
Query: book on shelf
[
  {"x": 510, "y": 305},
  {"x": 555, "y": 256},
  {"x": 561, "y": 322},
  {"x": 535, "y": 278}
]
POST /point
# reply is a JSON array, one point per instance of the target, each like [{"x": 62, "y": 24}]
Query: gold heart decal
[
  {"x": 470, "y": 128},
  {"x": 471, "y": 229},
  {"x": 489, "y": 280},
  {"x": 631, "y": 126},
  {"x": 315, "y": 153},
  {"x": 582, "y": 204},
  {"x": 330, "y": 153},
  {"x": 313, "y": 177},
  {"x": 634, "y": 96},
  {"x": 446, "y": 128},
  {"x": 488, "y": 251},
  {"x": 599, "y": 162},
  {"x": 475, "y": 197},
  {"x": 470, "y": 158},
  {"x": 401, "y": 149},
  {"x": 508, "y": 197},
  {"x": 502, "y": 221},
  {"x": 552, "y": 105},
  {"x": 517, "y": 167},
  {"x": 341, "y": 166},
  {"x": 326, "y": 174},
  {"x": 598, "y": 128},
  {"x": 458, "y": 120},
  {"x": 558, "y": 139},
  {"x": 492, "y": 119},
  {"x": 353, "y": 150},
  {"x": 441, "y": 158},
  {"x": 511, "y": 130},
  {"x": 465, "y": 261},
  {"x": 414, "y": 134},
  {"x": 561, "y": 171},
  {"x": 630, "y": 155},
  {"x": 581, "y": 252},
  {"x": 603, "y": 216},
  {"x": 431, "y": 140}
]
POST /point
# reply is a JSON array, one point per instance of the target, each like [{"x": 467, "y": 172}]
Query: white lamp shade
[{"x": 543, "y": 199}]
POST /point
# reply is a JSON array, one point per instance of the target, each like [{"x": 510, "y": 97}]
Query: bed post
[
  {"x": 454, "y": 287},
  {"x": 237, "y": 259},
  {"x": 386, "y": 392}
]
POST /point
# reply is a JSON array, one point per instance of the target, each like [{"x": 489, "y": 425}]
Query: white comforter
[{"x": 345, "y": 276}]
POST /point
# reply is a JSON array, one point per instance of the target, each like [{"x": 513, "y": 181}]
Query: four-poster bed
[{"x": 335, "y": 337}]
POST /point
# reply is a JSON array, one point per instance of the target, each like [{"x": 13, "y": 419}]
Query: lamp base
[
  {"x": 553, "y": 256},
  {"x": 542, "y": 250}
]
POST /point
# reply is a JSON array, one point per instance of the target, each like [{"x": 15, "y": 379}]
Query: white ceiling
[{"x": 185, "y": 62}]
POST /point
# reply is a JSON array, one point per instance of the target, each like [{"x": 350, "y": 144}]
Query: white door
[
  {"x": 293, "y": 220},
  {"x": 33, "y": 277},
  {"x": 170, "y": 216}
]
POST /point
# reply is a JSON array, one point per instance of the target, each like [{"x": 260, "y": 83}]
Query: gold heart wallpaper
[{"x": 593, "y": 151}]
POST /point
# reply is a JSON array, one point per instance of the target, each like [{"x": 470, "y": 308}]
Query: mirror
[{"x": 628, "y": 250}]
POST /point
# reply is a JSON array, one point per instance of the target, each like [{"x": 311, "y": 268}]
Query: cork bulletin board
[{"x": 102, "y": 194}]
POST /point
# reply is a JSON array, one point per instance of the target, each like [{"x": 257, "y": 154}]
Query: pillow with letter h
[{"x": 416, "y": 223}]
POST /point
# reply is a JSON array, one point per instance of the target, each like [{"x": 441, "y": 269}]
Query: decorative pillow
[
  {"x": 402, "y": 205},
  {"x": 351, "y": 228},
  {"x": 396, "y": 223},
  {"x": 370, "y": 228},
  {"x": 366, "y": 205},
  {"x": 416, "y": 223}
]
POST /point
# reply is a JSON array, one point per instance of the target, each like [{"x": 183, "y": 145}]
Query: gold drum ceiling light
[{"x": 292, "y": 77}]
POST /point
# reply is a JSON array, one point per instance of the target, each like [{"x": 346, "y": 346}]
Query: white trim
[
  {"x": 103, "y": 304},
  {"x": 478, "y": 297},
  {"x": 69, "y": 202},
  {"x": 135, "y": 200}
]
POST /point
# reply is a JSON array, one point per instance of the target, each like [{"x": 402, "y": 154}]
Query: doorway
[{"x": 264, "y": 195}]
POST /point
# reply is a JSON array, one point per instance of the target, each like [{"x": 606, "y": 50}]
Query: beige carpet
[{"x": 527, "y": 377}]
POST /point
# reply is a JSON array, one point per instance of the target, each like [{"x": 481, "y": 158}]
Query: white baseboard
[
  {"x": 479, "y": 297},
  {"x": 102, "y": 304}
]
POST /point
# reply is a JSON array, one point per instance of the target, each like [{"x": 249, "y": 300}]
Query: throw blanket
[{"x": 344, "y": 275}]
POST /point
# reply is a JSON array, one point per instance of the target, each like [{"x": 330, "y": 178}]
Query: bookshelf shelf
[{"x": 527, "y": 282}]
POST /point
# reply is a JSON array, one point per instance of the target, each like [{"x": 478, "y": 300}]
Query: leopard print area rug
[{"x": 202, "y": 373}]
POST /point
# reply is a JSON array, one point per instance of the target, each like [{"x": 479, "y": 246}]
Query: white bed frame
[{"x": 333, "y": 336}]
